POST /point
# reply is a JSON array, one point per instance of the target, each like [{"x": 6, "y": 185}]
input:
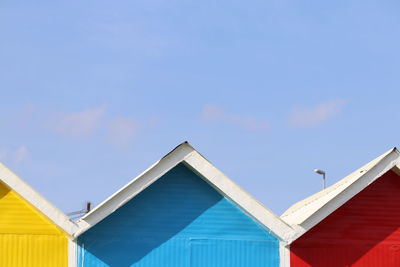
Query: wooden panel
[
  {"x": 33, "y": 250},
  {"x": 159, "y": 224},
  {"x": 19, "y": 217},
  {"x": 233, "y": 253},
  {"x": 28, "y": 238}
]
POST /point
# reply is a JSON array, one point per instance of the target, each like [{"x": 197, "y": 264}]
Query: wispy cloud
[
  {"x": 122, "y": 130},
  {"x": 80, "y": 124},
  {"x": 216, "y": 113},
  {"x": 305, "y": 117},
  {"x": 15, "y": 156},
  {"x": 212, "y": 113},
  {"x": 21, "y": 154},
  {"x": 118, "y": 131}
]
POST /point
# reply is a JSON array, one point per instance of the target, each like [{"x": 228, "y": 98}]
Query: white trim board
[
  {"x": 55, "y": 215},
  {"x": 284, "y": 255},
  {"x": 186, "y": 154},
  {"x": 307, "y": 213},
  {"x": 72, "y": 253}
]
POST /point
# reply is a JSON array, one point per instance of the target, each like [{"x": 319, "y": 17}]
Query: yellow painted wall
[{"x": 27, "y": 237}]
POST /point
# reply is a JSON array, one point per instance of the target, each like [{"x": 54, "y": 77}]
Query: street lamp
[{"x": 323, "y": 176}]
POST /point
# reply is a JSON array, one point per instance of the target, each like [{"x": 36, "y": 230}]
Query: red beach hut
[{"x": 355, "y": 222}]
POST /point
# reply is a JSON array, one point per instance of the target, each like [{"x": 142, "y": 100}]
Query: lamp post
[{"x": 323, "y": 176}]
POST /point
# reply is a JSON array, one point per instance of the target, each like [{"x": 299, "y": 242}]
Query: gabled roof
[
  {"x": 307, "y": 213},
  {"x": 12, "y": 181},
  {"x": 186, "y": 154}
]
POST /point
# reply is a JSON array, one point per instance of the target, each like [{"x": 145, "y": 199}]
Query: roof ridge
[
  {"x": 318, "y": 195},
  {"x": 185, "y": 153}
]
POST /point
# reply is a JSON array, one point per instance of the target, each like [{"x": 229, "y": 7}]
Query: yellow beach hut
[{"x": 33, "y": 232}]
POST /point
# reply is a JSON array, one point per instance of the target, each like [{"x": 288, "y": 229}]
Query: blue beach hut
[{"x": 182, "y": 212}]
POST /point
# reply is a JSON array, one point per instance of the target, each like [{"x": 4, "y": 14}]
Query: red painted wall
[{"x": 364, "y": 232}]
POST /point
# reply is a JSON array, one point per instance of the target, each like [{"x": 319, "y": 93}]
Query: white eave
[
  {"x": 55, "y": 215},
  {"x": 307, "y": 213},
  {"x": 186, "y": 154}
]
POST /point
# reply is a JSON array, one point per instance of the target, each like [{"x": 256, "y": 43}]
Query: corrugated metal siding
[
  {"x": 27, "y": 238},
  {"x": 364, "y": 232},
  {"x": 163, "y": 225}
]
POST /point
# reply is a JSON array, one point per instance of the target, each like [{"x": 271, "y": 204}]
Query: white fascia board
[
  {"x": 133, "y": 188},
  {"x": 233, "y": 192},
  {"x": 300, "y": 211},
  {"x": 189, "y": 156},
  {"x": 389, "y": 162},
  {"x": 36, "y": 200}
]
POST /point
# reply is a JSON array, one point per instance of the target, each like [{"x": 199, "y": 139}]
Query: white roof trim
[
  {"x": 307, "y": 213},
  {"x": 55, "y": 215},
  {"x": 186, "y": 154}
]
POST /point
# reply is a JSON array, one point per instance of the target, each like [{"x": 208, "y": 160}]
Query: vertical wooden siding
[
  {"x": 179, "y": 221},
  {"x": 27, "y": 238},
  {"x": 364, "y": 232}
]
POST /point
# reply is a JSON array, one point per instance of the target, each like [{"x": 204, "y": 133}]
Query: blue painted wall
[{"x": 179, "y": 221}]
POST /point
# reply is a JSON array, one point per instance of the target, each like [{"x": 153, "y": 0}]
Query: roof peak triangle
[
  {"x": 308, "y": 212},
  {"x": 41, "y": 204},
  {"x": 185, "y": 153}
]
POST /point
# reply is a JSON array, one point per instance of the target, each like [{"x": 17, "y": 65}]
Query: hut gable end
[
  {"x": 182, "y": 211},
  {"x": 32, "y": 231},
  {"x": 19, "y": 217},
  {"x": 365, "y": 231},
  {"x": 182, "y": 218}
]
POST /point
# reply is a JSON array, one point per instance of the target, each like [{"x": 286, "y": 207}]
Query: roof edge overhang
[
  {"x": 389, "y": 161},
  {"x": 40, "y": 203},
  {"x": 186, "y": 154}
]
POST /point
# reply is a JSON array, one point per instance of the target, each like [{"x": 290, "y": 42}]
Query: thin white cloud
[
  {"x": 81, "y": 124},
  {"x": 212, "y": 113},
  {"x": 216, "y": 113},
  {"x": 21, "y": 154},
  {"x": 305, "y": 117},
  {"x": 15, "y": 156},
  {"x": 122, "y": 130},
  {"x": 119, "y": 131}
]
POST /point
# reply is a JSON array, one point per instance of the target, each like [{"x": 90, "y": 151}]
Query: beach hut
[
  {"x": 184, "y": 212},
  {"x": 355, "y": 222},
  {"x": 33, "y": 233}
]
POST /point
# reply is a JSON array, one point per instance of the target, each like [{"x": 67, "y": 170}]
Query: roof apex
[
  {"x": 44, "y": 206},
  {"x": 306, "y": 213},
  {"x": 185, "y": 153}
]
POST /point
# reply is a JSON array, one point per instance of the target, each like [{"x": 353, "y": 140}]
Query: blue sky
[{"x": 94, "y": 92}]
